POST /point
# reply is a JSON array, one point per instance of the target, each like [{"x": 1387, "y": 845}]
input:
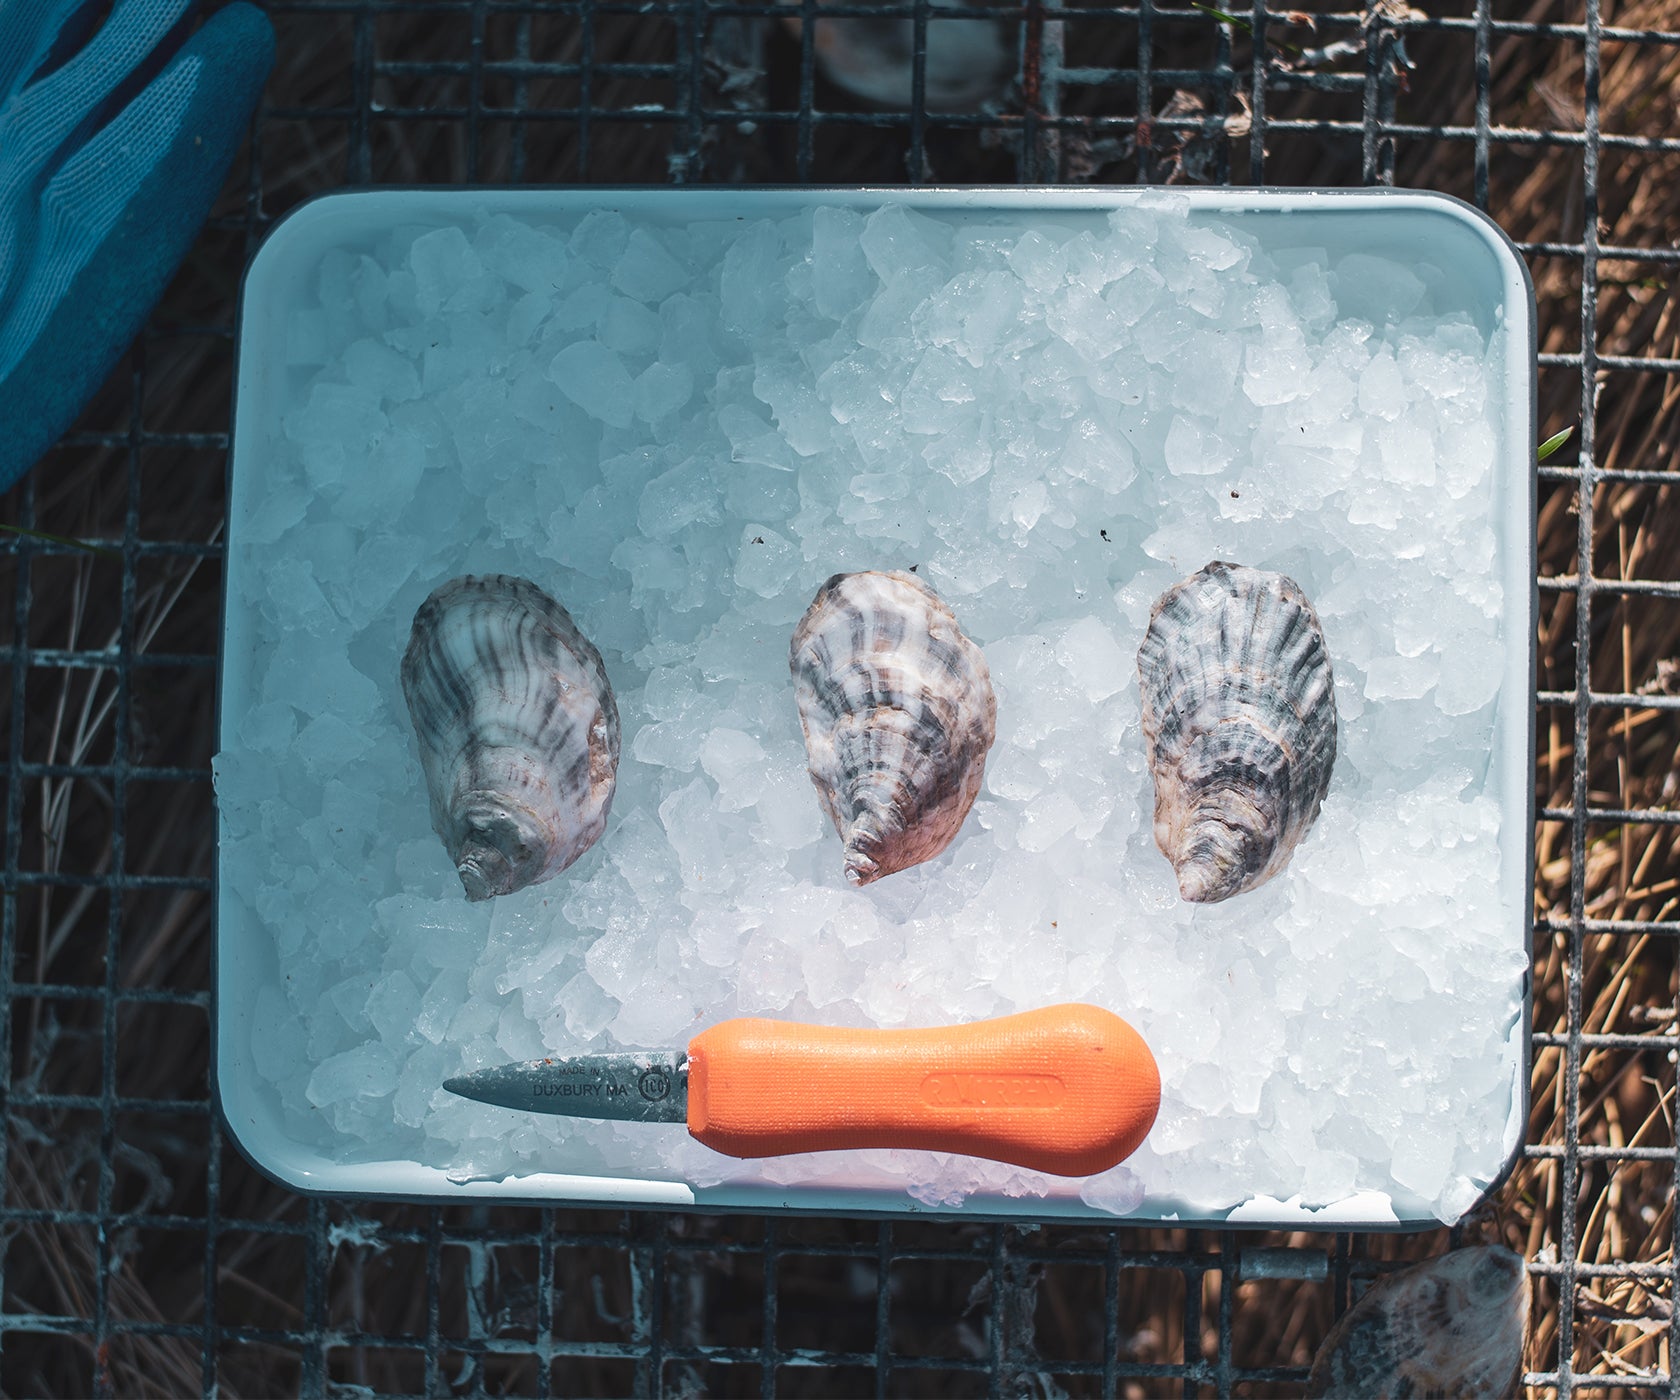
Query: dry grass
[{"x": 1622, "y": 1211}]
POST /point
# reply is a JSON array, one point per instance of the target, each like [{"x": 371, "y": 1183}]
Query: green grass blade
[
  {"x": 1555, "y": 441},
  {"x": 1222, "y": 17},
  {"x": 1246, "y": 25},
  {"x": 60, "y": 539}
]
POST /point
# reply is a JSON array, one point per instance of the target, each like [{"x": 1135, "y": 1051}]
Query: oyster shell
[
  {"x": 518, "y": 731},
  {"x": 968, "y": 61},
  {"x": 898, "y": 713},
  {"x": 1452, "y": 1325},
  {"x": 1239, "y": 717}
]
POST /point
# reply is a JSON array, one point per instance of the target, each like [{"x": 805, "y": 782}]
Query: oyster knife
[{"x": 1071, "y": 1090}]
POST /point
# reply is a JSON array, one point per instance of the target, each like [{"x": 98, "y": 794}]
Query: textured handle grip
[{"x": 1066, "y": 1089}]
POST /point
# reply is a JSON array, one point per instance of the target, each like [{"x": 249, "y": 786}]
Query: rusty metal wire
[{"x": 316, "y": 1297}]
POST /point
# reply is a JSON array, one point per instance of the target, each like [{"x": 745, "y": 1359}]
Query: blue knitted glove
[{"x": 113, "y": 145}]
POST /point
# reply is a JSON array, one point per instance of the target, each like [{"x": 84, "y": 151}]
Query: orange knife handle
[{"x": 1067, "y": 1089}]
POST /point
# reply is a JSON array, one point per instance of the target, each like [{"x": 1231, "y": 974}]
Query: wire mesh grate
[{"x": 141, "y": 1253}]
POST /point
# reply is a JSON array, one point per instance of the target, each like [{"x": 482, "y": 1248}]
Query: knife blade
[
  {"x": 1071, "y": 1090},
  {"x": 650, "y": 1087}
]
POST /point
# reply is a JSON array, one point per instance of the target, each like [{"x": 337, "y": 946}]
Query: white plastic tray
[{"x": 1481, "y": 275}]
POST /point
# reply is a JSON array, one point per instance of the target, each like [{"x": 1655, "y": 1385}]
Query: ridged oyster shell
[
  {"x": 1453, "y": 1325},
  {"x": 1239, "y": 717},
  {"x": 518, "y": 730},
  {"x": 898, "y": 712}
]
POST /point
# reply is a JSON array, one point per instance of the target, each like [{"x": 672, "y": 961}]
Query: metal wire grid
[{"x": 671, "y": 1303}]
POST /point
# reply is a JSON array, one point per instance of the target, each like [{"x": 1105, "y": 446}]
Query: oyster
[
  {"x": 1452, "y": 1325},
  {"x": 1239, "y": 717},
  {"x": 898, "y": 713},
  {"x": 518, "y": 731},
  {"x": 968, "y": 61}
]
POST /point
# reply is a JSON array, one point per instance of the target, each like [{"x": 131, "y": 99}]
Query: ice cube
[
  {"x": 1470, "y": 675},
  {"x": 438, "y": 1006},
  {"x": 383, "y": 565},
  {"x": 1422, "y": 1160},
  {"x": 533, "y": 260},
  {"x": 959, "y": 458},
  {"x": 392, "y": 1006},
  {"x": 1331, "y": 1176},
  {"x": 346, "y": 416},
  {"x": 329, "y": 744},
  {"x": 1103, "y": 458},
  {"x": 1131, "y": 297},
  {"x": 789, "y": 817},
  {"x": 660, "y": 390},
  {"x": 584, "y": 1008},
  {"x": 690, "y": 330},
  {"x": 676, "y": 499},
  {"x": 938, "y": 396},
  {"x": 583, "y": 307},
  {"x": 268, "y": 728},
  {"x": 594, "y": 378},
  {"x": 1090, "y": 655},
  {"x": 735, "y": 762},
  {"x": 765, "y": 562},
  {"x": 1088, "y": 323},
  {"x": 1212, "y": 249},
  {"x": 1117, "y": 1191},
  {"x": 442, "y": 262},
  {"x": 526, "y": 316},
  {"x": 1310, "y": 291},
  {"x": 691, "y": 826},
  {"x": 1382, "y": 389},
  {"x": 647, "y": 271},
  {"x": 749, "y": 285},
  {"x": 1376, "y": 289},
  {"x": 840, "y": 275},
  {"x": 800, "y": 413},
  {"x": 1039, "y": 262},
  {"x": 419, "y": 1082},
  {"x": 630, "y": 328},
  {"x": 1192, "y": 450},
  {"x": 381, "y": 371},
  {"x": 364, "y": 1071},
  {"x": 657, "y": 1020},
  {"x": 600, "y": 238},
  {"x": 1047, "y": 819},
  {"x": 1401, "y": 677},
  {"x": 896, "y": 239}
]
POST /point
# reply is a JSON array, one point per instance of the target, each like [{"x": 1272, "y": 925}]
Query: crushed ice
[{"x": 680, "y": 432}]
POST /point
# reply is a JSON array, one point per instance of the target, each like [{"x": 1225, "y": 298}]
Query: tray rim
[{"x": 1366, "y": 1210}]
